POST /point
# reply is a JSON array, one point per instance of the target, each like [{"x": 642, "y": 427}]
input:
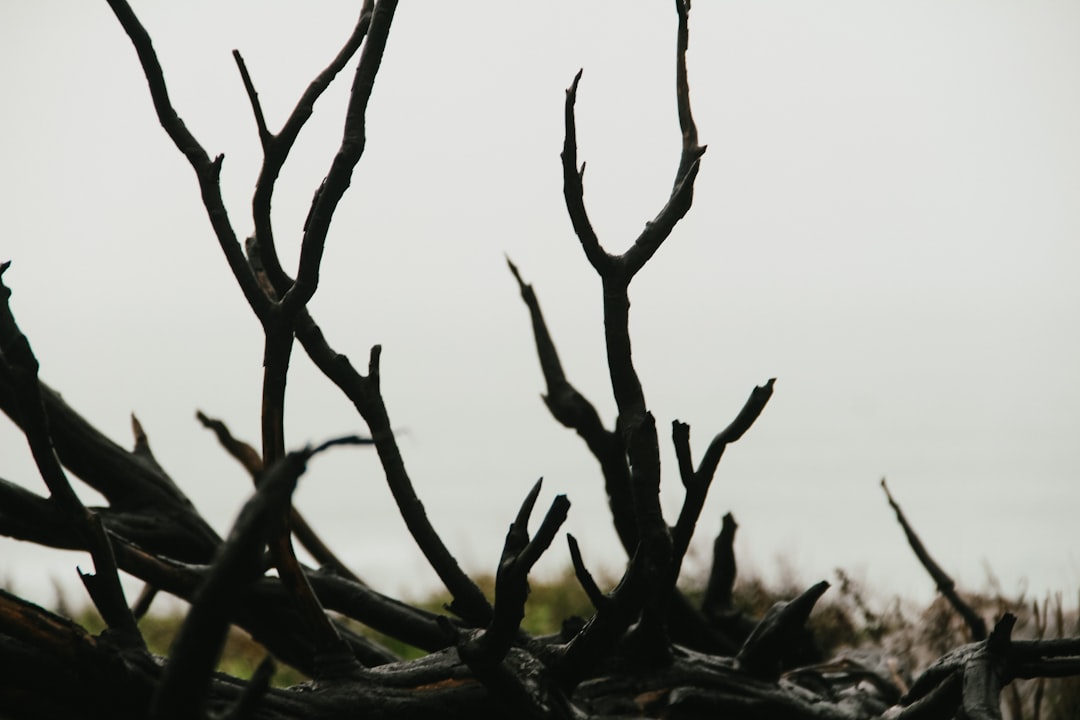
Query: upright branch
[
  {"x": 635, "y": 424},
  {"x": 573, "y": 410},
  {"x": 520, "y": 553},
  {"x": 762, "y": 655},
  {"x": 945, "y": 584},
  {"x": 719, "y": 590},
  {"x": 697, "y": 482},
  {"x": 353, "y": 141},
  {"x": 19, "y": 361},
  {"x": 362, "y": 391},
  {"x": 276, "y": 147},
  {"x": 208, "y": 172},
  {"x": 279, "y": 316}
]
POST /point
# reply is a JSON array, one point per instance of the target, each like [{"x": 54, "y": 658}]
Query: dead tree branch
[
  {"x": 644, "y": 652},
  {"x": 945, "y": 584}
]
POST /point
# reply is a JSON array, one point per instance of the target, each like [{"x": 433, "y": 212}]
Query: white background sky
[{"x": 887, "y": 221}]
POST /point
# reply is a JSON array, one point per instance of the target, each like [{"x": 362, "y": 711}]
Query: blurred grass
[{"x": 844, "y": 619}]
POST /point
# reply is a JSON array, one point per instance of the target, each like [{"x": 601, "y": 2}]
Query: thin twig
[
  {"x": 364, "y": 392},
  {"x": 520, "y": 553},
  {"x": 574, "y": 411},
  {"x": 277, "y": 151},
  {"x": 945, "y": 584},
  {"x": 354, "y": 138},
  {"x": 207, "y": 171},
  {"x": 252, "y": 462},
  {"x": 265, "y": 137},
  {"x": 697, "y": 483},
  {"x": 573, "y": 188}
]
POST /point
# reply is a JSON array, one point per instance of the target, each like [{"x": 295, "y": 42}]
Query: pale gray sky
[{"x": 887, "y": 220}]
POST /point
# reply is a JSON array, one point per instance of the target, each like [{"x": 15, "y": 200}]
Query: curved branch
[
  {"x": 208, "y": 172},
  {"x": 697, "y": 483},
  {"x": 353, "y": 141},
  {"x": 574, "y": 191},
  {"x": 276, "y": 149},
  {"x": 520, "y": 553},
  {"x": 574, "y": 411},
  {"x": 945, "y": 584},
  {"x": 763, "y": 653}
]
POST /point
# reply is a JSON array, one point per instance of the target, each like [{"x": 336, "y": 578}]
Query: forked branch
[{"x": 208, "y": 172}]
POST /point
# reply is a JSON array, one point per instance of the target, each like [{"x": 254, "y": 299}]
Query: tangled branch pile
[{"x": 647, "y": 650}]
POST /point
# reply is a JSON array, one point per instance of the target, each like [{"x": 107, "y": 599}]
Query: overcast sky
[{"x": 887, "y": 220}]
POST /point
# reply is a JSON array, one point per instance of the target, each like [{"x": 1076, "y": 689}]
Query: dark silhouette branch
[
  {"x": 646, "y": 651},
  {"x": 520, "y": 553},
  {"x": 584, "y": 577},
  {"x": 276, "y": 148},
  {"x": 19, "y": 361},
  {"x": 363, "y": 391},
  {"x": 573, "y": 188},
  {"x": 353, "y": 141},
  {"x": 574, "y": 411},
  {"x": 265, "y": 136},
  {"x": 198, "y": 645},
  {"x": 104, "y": 588},
  {"x": 635, "y": 423},
  {"x": 253, "y": 692},
  {"x": 984, "y": 673},
  {"x": 697, "y": 482},
  {"x": 945, "y": 584},
  {"x": 129, "y": 481},
  {"x": 208, "y": 172},
  {"x": 250, "y": 459},
  {"x": 718, "y": 591},
  {"x": 331, "y": 653},
  {"x": 763, "y": 654}
]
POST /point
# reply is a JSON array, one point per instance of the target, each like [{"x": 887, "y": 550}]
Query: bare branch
[
  {"x": 945, "y": 584},
  {"x": 763, "y": 652},
  {"x": 363, "y": 391},
  {"x": 277, "y": 151},
  {"x": 104, "y": 587},
  {"x": 585, "y": 578},
  {"x": 246, "y": 455},
  {"x": 207, "y": 171},
  {"x": 18, "y": 359},
  {"x": 130, "y": 482},
  {"x": 574, "y": 411},
  {"x": 697, "y": 483},
  {"x": 254, "y": 691},
  {"x": 520, "y": 553},
  {"x": 718, "y": 592},
  {"x": 202, "y": 636},
  {"x": 573, "y": 190},
  {"x": 252, "y": 462},
  {"x": 753, "y": 408},
  {"x": 265, "y": 137},
  {"x": 691, "y": 150},
  {"x": 984, "y": 673},
  {"x": 353, "y": 141}
]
